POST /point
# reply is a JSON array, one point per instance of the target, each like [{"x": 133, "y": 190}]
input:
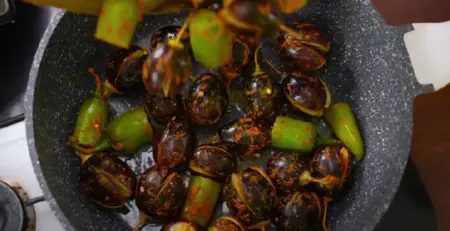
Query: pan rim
[
  {"x": 66, "y": 223},
  {"x": 29, "y": 100}
]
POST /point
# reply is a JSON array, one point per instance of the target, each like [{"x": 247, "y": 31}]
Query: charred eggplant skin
[
  {"x": 250, "y": 196},
  {"x": 213, "y": 161},
  {"x": 227, "y": 223},
  {"x": 299, "y": 211},
  {"x": 207, "y": 99},
  {"x": 246, "y": 136},
  {"x": 163, "y": 109},
  {"x": 166, "y": 70},
  {"x": 285, "y": 170},
  {"x": 107, "y": 180},
  {"x": 334, "y": 162},
  {"x": 262, "y": 94},
  {"x": 307, "y": 94},
  {"x": 176, "y": 145},
  {"x": 304, "y": 52},
  {"x": 160, "y": 193},
  {"x": 124, "y": 69}
]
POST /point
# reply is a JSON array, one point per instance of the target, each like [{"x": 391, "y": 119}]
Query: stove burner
[
  {"x": 15, "y": 214},
  {"x": 11, "y": 209}
]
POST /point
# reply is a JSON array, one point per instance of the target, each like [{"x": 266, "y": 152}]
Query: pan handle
[{"x": 35, "y": 200}]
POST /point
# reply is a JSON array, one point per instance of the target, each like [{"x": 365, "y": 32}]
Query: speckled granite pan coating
[{"x": 368, "y": 67}]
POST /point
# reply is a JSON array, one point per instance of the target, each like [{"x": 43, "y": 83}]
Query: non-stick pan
[{"x": 367, "y": 67}]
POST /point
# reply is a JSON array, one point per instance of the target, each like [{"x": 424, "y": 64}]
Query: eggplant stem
[
  {"x": 176, "y": 43},
  {"x": 98, "y": 81},
  {"x": 273, "y": 67},
  {"x": 325, "y": 212},
  {"x": 306, "y": 178},
  {"x": 258, "y": 69},
  {"x": 288, "y": 30},
  {"x": 345, "y": 157}
]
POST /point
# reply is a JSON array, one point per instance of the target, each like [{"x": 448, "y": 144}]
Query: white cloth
[{"x": 428, "y": 46}]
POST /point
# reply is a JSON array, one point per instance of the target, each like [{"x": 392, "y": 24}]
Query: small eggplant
[
  {"x": 249, "y": 18},
  {"x": 92, "y": 118},
  {"x": 343, "y": 122},
  {"x": 176, "y": 144},
  {"x": 286, "y": 169},
  {"x": 289, "y": 172},
  {"x": 239, "y": 59},
  {"x": 124, "y": 69},
  {"x": 246, "y": 136},
  {"x": 303, "y": 51},
  {"x": 163, "y": 34},
  {"x": 107, "y": 180},
  {"x": 179, "y": 225},
  {"x": 213, "y": 161},
  {"x": 262, "y": 94},
  {"x": 335, "y": 163},
  {"x": 126, "y": 134},
  {"x": 250, "y": 196},
  {"x": 166, "y": 69},
  {"x": 307, "y": 94},
  {"x": 227, "y": 223},
  {"x": 299, "y": 211},
  {"x": 310, "y": 36},
  {"x": 209, "y": 165},
  {"x": 163, "y": 108},
  {"x": 207, "y": 99},
  {"x": 160, "y": 193}
]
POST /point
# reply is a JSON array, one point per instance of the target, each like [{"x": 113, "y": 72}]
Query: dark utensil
[{"x": 368, "y": 68}]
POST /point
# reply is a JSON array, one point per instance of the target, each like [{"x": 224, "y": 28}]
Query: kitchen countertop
[
  {"x": 411, "y": 208},
  {"x": 15, "y": 165}
]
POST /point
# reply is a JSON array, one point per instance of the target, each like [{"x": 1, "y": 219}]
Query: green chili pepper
[
  {"x": 117, "y": 22},
  {"x": 343, "y": 122},
  {"x": 293, "y": 135},
  {"x": 211, "y": 42},
  {"x": 326, "y": 141},
  {"x": 203, "y": 195},
  {"x": 92, "y": 118},
  {"x": 126, "y": 134}
]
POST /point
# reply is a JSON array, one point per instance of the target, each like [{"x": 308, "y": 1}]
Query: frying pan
[{"x": 367, "y": 67}]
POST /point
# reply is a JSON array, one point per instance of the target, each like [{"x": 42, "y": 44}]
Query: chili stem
[{"x": 98, "y": 88}]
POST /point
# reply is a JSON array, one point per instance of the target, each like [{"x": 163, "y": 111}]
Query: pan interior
[{"x": 367, "y": 67}]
